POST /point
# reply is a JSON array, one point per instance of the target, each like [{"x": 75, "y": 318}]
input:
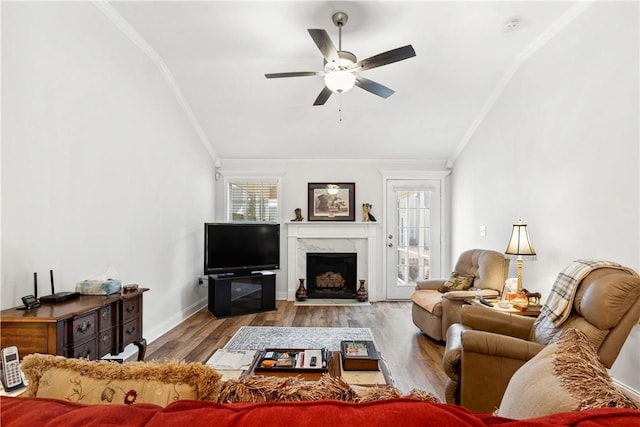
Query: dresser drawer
[
  {"x": 86, "y": 350},
  {"x": 131, "y": 309},
  {"x": 107, "y": 341},
  {"x": 106, "y": 317},
  {"x": 131, "y": 332},
  {"x": 84, "y": 327}
]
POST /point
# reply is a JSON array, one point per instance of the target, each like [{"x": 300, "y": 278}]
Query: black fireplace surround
[{"x": 331, "y": 274}]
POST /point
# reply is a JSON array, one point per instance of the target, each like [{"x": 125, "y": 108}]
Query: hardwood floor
[{"x": 415, "y": 361}]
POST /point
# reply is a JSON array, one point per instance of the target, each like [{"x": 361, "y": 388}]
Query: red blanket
[{"x": 189, "y": 413}]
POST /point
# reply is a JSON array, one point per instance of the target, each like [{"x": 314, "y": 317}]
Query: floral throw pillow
[
  {"x": 457, "y": 282},
  {"x": 101, "y": 382}
]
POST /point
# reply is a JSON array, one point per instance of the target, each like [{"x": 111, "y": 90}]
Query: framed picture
[{"x": 332, "y": 201}]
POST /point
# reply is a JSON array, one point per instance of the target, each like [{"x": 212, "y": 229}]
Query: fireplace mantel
[{"x": 332, "y": 236}]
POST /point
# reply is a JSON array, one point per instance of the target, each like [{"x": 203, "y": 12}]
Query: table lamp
[{"x": 520, "y": 245}]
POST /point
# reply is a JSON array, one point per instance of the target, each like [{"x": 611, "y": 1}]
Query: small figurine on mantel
[
  {"x": 366, "y": 213},
  {"x": 298, "y": 217}
]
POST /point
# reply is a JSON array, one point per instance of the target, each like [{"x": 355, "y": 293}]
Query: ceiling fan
[{"x": 341, "y": 67}]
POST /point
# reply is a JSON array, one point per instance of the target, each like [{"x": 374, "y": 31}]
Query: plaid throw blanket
[{"x": 558, "y": 305}]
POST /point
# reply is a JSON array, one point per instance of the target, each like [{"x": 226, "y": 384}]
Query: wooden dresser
[{"x": 89, "y": 326}]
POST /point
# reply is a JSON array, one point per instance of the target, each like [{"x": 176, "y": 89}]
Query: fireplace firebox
[{"x": 331, "y": 274}]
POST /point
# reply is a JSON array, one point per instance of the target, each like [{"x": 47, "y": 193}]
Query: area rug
[{"x": 261, "y": 337}]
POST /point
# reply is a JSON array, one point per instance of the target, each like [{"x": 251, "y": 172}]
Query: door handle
[{"x": 390, "y": 245}]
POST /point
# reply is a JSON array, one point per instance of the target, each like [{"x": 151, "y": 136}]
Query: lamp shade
[
  {"x": 339, "y": 80},
  {"x": 520, "y": 244}
]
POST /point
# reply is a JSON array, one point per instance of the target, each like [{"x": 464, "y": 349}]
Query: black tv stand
[
  {"x": 241, "y": 274},
  {"x": 222, "y": 275},
  {"x": 235, "y": 295}
]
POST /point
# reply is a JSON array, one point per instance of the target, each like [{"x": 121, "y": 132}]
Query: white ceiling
[{"x": 218, "y": 52}]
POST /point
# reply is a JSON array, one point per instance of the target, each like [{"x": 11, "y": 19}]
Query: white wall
[
  {"x": 296, "y": 174},
  {"x": 560, "y": 149},
  {"x": 100, "y": 166}
]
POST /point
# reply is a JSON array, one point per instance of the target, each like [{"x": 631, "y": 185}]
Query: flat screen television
[{"x": 232, "y": 248}]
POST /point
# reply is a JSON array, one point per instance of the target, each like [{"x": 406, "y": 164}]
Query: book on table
[
  {"x": 308, "y": 363},
  {"x": 528, "y": 308},
  {"x": 359, "y": 355}
]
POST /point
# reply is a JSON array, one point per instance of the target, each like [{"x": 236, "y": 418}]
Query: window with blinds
[{"x": 252, "y": 200}]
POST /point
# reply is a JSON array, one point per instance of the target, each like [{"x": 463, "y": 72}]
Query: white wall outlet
[
  {"x": 203, "y": 282},
  {"x": 483, "y": 231}
]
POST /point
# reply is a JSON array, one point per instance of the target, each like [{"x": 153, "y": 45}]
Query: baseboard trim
[
  {"x": 633, "y": 394},
  {"x": 130, "y": 352},
  {"x": 160, "y": 329}
]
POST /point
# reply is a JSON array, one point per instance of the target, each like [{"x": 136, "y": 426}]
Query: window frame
[{"x": 243, "y": 179}]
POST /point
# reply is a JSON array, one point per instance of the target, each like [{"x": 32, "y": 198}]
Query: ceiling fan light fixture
[
  {"x": 342, "y": 69},
  {"x": 339, "y": 81}
]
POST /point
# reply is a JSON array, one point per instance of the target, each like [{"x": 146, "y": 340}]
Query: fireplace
[
  {"x": 333, "y": 236},
  {"x": 331, "y": 274}
]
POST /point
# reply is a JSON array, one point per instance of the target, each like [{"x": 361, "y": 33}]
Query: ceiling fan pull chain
[{"x": 340, "y": 107}]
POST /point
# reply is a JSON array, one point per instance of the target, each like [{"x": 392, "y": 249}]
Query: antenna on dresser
[{"x": 35, "y": 285}]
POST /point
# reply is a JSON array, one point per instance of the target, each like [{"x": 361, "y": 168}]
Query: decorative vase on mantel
[
  {"x": 362, "y": 293},
  {"x": 301, "y": 293}
]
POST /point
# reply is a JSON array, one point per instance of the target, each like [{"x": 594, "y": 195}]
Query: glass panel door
[{"x": 413, "y": 235}]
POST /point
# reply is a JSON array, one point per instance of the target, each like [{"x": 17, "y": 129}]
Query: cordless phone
[
  {"x": 11, "y": 375},
  {"x": 30, "y": 302}
]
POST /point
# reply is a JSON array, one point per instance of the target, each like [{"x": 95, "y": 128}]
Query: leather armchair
[
  {"x": 489, "y": 346},
  {"x": 432, "y": 312}
]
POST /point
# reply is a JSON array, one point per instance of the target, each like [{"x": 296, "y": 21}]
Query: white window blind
[{"x": 254, "y": 200}]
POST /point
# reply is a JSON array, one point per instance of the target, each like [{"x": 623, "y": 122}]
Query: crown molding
[
  {"x": 129, "y": 32},
  {"x": 554, "y": 29}
]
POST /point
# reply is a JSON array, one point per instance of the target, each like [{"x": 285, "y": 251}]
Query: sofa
[
  {"x": 436, "y": 303},
  {"x": 32, "y": 411},
  {"x": 73, "y": 392}
]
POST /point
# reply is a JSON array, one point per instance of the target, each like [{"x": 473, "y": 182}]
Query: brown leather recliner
[
  {"x": 488, "y": 346},
  {"x": 433, "y": 311}
]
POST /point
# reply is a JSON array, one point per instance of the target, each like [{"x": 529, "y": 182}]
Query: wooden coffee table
[
  {"x": 365, "y": 378},
  {"x": 381, "y": 377}
]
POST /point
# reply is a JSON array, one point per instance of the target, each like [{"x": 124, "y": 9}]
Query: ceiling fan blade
[
  {"x": 385, "y": 58},
  {"x": 293, "y": 74},
  {"x": 324, "y": 95},
  {"x": 324, "y": 43},
  {"x": 373, "y": 87}
]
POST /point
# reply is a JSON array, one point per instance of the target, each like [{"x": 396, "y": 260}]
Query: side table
[{"x": 496, "y": 307}]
